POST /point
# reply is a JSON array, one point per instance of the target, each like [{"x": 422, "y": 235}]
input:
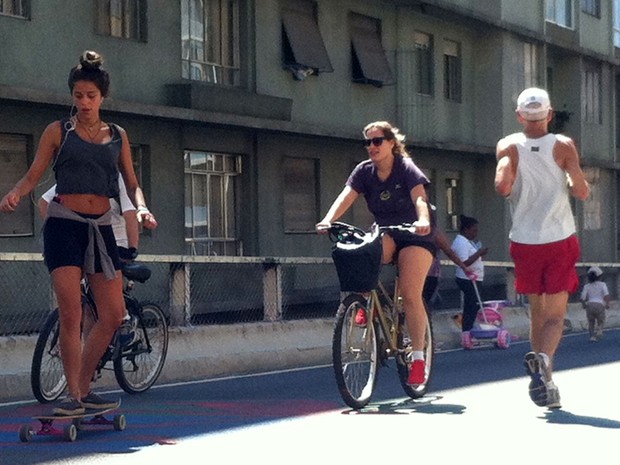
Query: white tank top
[{"x": 539, "y": 201}]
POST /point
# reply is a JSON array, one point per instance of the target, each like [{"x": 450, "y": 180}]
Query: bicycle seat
[{"x": 136, "y": 272}]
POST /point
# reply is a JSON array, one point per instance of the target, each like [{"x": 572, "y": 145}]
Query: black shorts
[
  {"x": 404, "y": 239},
  {"x": 65, "y": 242}
]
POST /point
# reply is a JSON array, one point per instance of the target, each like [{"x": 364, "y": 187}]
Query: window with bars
[
  {"x": 13, "y": 166},
  {"x": 424, "y": 62},
  {"x": 210, "y": 41},
  {"x": 591, "y": 91},
  {"x": 559, "y": 12},
  {"x": 122, "y": 18},
  {"x": 211, "y": 210},
  {"x": 301, "y": 204},
  {"x": 591, "y": 7},
  {"x": 452, "y": 70},
  {"x": 20, "y": 8}
]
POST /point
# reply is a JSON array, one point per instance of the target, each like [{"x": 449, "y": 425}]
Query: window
[
  {"x": 453, "y": 199},
  {"x": 424, "y": 62},
  {"x": 452, "y": 70},
  {"x": 530, "y": 65},
  {"x": 560, "y": 12},
  {"x": 13, "y": 166},
  {"x": 211, "y": 190},
  {"x": 210, "y": 41},
  {"x": 19, "y": 8},
  {"x": 591, "y": 7},
  {"x": 122, "y": 18},
  {"x": 591, "y": 91},
  {"x": 300, "y": 194},
  {"x": 617, "y": 23},
  {"x": 368, "y": 59},
  {"x": 302, "y": 45}
]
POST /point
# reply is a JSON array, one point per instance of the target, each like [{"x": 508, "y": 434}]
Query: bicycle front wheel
[
  {"x": 354, "y": 354},
  {"x": 47, "y": 376},
  {"x": 403, "y": 364},
  {"x": 138, "y": 367}
]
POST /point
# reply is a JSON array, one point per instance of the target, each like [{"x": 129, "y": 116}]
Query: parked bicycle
[
  {"x": 137, "y": 362},
  {"x": 358, "y": 350}
]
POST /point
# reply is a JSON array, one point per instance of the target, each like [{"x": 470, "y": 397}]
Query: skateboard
[{"x": 69, "y": 432}]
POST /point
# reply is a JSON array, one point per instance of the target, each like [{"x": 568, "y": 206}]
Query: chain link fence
[{"x": 228, "y": 290}]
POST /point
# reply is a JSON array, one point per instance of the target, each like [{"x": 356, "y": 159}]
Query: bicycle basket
[{"x": 358, "y": 265}]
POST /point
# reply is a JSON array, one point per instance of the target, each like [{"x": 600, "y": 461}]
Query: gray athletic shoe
[
  {"x": 69, "y": 406},
  {"x": 553, "y": 396},
  {"x": 95, "y": 401},
  {"x": 542, "y": 389}
]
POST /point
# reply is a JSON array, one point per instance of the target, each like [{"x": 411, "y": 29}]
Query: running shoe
[
  {"x": 537, "y": 387},
  {"x": 95, "y": 401},
  {"x": 417, "y": 373},
  {"x": 553, "y": 396},
  {"x": 69, "y": 406},
  {"x": 542, "y": 389}
]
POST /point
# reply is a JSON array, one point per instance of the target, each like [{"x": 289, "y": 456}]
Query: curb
[{"x": 217, "y": 351}]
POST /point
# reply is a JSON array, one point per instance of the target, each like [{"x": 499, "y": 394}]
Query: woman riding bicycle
[{"x": 394, "y": 188}]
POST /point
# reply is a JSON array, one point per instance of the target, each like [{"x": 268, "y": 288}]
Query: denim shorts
[{"x": 65, "y": 242}]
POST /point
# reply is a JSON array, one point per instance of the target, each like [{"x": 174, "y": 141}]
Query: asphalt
[{"x": 224, "y": 350}]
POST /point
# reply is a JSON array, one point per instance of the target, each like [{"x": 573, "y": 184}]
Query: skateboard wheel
[
  {"x": 25, "y": 433},
  {"x": 69, "y": 433},
  {"x": 120, "y": 423},
  {"x": 77, "y": 422}
]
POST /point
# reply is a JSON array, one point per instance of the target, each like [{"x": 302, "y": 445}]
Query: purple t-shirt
[{"x": 390, "y": 200}]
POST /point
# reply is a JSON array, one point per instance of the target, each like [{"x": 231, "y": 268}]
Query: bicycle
[
  {"x": 358, "y": 350},
  {"x": 136, "y": 365}
]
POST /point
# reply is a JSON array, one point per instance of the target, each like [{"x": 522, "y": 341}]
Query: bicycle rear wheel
[
  {"x": 137, "y": 367},
  {"x": 47, "y": 376},
  {"x": 403, "y": 364},
  {"x": 354, "y": 354}
]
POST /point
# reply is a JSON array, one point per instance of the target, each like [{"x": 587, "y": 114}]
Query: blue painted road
[{"x": 477, "y": 411}]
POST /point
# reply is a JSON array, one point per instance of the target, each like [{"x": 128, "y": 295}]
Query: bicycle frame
[{"x": 388, "y": 316}]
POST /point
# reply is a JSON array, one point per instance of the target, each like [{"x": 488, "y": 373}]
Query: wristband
[{"x": 143, "y": 210}]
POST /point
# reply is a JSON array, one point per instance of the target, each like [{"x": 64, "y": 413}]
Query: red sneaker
[
  {"x": 417, "y": 373},
  {"x": 360, "y": 317}
]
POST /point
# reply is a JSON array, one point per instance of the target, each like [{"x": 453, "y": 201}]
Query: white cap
[
  {"x": 596, "y": 270},
  {"x": 533, "y": 104}
]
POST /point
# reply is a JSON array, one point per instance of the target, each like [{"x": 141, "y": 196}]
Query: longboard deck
[{"x": 92, "y": 417}]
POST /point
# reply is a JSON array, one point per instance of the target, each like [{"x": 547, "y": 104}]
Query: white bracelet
[{"x": 143, "y": 210}]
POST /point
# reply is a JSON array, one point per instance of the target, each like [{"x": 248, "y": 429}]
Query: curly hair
[
  {"x": 90, "y": 69},
  {"x": 390, "y": 132}
]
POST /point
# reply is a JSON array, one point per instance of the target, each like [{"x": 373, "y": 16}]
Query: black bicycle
[
  {"x": 137, "y": 363},
  {"x": 359, "y": 348}
]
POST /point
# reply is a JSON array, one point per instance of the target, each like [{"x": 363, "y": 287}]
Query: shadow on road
[
  {"x": 427, "y": 404},
  {"x": 562, "y": 417}
]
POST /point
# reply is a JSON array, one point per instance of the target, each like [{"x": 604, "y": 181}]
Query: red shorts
[{"x": 546, "y": 268}]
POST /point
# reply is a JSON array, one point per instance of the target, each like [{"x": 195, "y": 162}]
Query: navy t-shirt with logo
[{"x": 390, "y": 200}]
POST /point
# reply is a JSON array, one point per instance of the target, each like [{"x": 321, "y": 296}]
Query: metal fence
[{"x": 227, "y": 290}]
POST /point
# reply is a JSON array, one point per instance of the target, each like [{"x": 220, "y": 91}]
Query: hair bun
[{"x": 91, "y": 60}]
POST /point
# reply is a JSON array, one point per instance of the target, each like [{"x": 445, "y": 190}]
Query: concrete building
[{"x": 245, "y": 115}]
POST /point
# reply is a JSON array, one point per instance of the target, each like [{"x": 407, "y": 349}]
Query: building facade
[{"x": 245, "y": 116}]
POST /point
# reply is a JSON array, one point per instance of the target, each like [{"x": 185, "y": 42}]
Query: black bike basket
[{"x": 358, "y": 265}]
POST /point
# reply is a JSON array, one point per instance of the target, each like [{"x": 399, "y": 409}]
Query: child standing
[{"x": 595, "y": 299}]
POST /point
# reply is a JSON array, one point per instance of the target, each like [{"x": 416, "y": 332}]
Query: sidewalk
[{"x": 219, "y": 351}]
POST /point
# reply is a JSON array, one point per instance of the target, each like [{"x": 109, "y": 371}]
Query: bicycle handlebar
[{"x": 343, "y": 232}]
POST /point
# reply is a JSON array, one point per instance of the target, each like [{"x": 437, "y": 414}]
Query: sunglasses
[{"x": 376, "y": 141}]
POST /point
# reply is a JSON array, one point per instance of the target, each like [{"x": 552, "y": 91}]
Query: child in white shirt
[{"x": 595, "y": 299}]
